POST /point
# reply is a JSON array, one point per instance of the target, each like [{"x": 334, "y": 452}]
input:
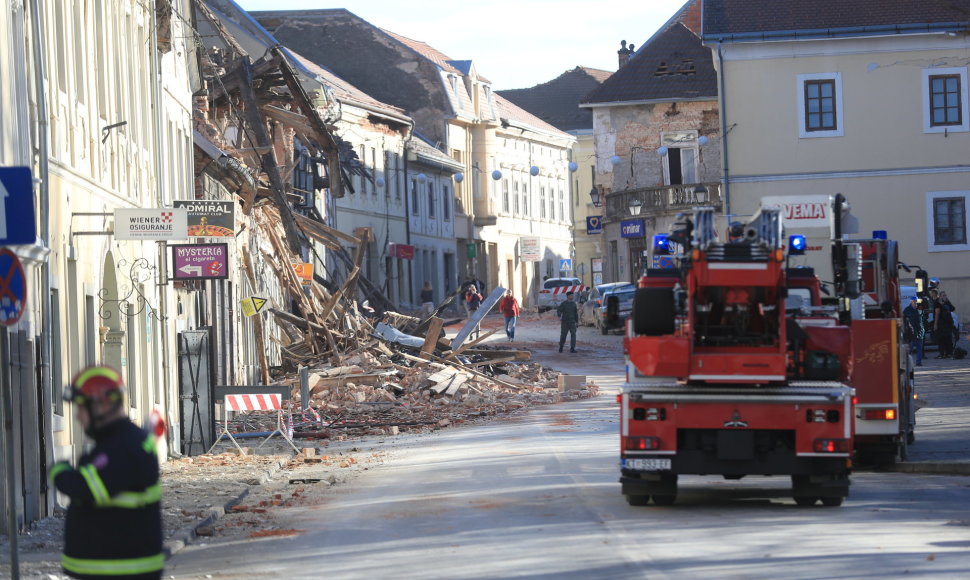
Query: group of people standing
[{"x": 937, "y": 317}]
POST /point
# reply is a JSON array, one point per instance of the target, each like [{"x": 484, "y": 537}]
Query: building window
[
  {"x": 505, "y": 195},
  {"x": 542, "y": 203},
  {"x": 562, "y": 206},
  {"x": 946, "y": 221},
  {"x": 516, "y": 205},
  {"x": 373, "y": 168},
  {"x": 431, "y": 200},
  {"x": 552, "y": 204},
  {"x": 415, "y": 204},
  {"x": 445, "y": 203},
  {"x": 820, "y": 105},
  {"x": 949, "y": 221},
  {"x": 945, "y": 100}
]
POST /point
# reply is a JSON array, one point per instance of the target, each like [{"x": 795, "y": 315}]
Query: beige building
[
  {"x": 857, "y": 98},
  {"x": 81, "y": 107}
]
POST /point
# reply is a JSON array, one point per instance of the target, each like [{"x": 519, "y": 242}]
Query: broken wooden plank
[
  {"x": 434, "y": 329},
  {"x": 461, "y": 348}
]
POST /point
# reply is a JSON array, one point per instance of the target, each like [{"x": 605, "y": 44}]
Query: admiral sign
[
  {"x": 632, "y": 229},
  {"x": 210, "y": 219},
  {"x": 151, "y": 224}
]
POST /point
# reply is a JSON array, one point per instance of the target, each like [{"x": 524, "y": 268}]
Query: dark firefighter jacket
[{"x": 114, "y": 522}]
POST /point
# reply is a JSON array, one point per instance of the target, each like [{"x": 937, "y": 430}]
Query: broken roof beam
[{"x": 269, "y": 163}]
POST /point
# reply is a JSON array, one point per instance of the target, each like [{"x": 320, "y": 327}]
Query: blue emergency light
[
  {"x": 796, "y": 245},
  {"x": 661, "y": 245},
  {"x": 880, "y": 235}
]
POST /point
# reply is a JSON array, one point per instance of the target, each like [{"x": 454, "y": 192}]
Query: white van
[{"x": 553, "y": 291}]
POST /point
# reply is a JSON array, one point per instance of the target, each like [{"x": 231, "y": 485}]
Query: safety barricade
[{"x": 253, "y": 402}]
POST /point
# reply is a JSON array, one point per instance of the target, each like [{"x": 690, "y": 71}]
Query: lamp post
[
  {"x": 700, "y": 193},
  {"x": 635, "y": 206},
  {"x": 594, "y": 195}
]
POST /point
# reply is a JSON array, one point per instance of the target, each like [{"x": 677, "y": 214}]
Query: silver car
[
  {"x": 589, "y": 308},
  {"x": 624, "y": 298}
]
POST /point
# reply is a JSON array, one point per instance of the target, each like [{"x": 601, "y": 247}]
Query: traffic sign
[
  {"x": 252, "y": 305},
  {"x": 16, "y": 206},
  {"x": 565, "y": 264},
  {"x": 13, "y": 288}
]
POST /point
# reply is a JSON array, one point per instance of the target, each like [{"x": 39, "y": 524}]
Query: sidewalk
[{"x": 943, "y": 422}]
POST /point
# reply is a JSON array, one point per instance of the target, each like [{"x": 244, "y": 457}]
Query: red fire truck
[{"x": 724, "y": 379}]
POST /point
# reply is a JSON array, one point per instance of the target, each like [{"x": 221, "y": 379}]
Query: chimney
[{"x": 624, "y": 53}]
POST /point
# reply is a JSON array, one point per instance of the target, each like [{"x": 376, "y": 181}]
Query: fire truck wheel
[
  {"x": 832, "y": 501},
  {"x": 805, "y": 501},
  {"x": 664, "y": 499},
  {"x": 638, "y": 500},
  {"x": 653, "y": 311}
]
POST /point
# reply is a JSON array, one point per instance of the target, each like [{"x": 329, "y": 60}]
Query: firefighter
[{"x": 114, "y": 523}]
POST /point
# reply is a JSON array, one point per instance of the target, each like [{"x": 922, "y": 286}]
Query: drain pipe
[
  {"x": 166, "y": 384},
  {"x": 722, "y": 106},
  {"x": 43, "y": 170}
]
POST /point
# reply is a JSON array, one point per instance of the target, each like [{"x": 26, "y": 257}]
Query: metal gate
[
  {"x": 21, "y": 393},
  {"x": 195, "y": 392}
]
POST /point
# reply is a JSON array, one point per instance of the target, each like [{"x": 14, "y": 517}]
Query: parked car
[
  {"x": 589, "y": 308},
  {"x": 624, "y": 306},
  {"x": 554, "y": 290}
]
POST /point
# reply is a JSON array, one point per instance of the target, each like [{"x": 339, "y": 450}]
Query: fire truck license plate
[{"x": 648, "y": 464}]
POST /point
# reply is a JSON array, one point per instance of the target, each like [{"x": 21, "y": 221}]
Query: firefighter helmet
[
  {"x": 95, "y": 382},
  {"x": 934, "y": 282}
]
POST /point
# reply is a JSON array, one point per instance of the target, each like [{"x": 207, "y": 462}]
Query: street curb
[
  {"x": 931, "y": 468},
  {"x": 187, "y": 534}
]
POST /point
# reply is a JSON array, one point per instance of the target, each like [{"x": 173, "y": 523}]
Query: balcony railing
[{"x": 656, "y": 201}]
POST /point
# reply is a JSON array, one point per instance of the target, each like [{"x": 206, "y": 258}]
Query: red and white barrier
[{"x": 269, "y": 402}]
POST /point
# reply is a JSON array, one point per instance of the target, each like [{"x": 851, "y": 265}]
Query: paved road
[{"x": 536, "y": 496}]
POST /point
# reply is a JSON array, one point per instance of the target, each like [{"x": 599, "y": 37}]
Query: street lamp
[
  {"x": 700, "y": 193},
  {"x": 635, "y": 205},
  {"x": 594, "y": 194}
]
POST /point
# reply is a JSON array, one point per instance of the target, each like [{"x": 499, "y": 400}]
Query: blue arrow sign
[{"x": 16, "y": 206}]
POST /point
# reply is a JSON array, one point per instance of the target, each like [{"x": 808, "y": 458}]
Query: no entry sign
[{"x": 13, "y": 288}]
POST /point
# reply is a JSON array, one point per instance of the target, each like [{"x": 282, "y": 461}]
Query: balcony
[{"x": 659, "y": 201}]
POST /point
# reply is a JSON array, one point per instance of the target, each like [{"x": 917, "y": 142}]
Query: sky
[{"x": 513, "y": 43}]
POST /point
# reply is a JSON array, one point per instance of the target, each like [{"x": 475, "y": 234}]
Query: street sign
[
  {"x": 200, "y": 261},
  {"x": 13, "y": 288},
  {"x": 16, "y": 207},
  {"x": 208, "y": 218},
  {"x": 151, "y": 224},
  {"x": 530, "y": 249},
  {"x": 565, "y": 265},
  {"x": 304, "y": 271},
  {"x": 252, "y": 305},
  {"x": 594, "y": 224}
]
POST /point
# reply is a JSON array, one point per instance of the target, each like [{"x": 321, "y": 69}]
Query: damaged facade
[
  {"x": 513, "y": 179},
  {"x": 656, "y": 130}
]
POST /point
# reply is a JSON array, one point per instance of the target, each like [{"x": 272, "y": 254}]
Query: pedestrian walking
[
  {"x": 943, "y": 325},
  {"x": 568, "y": 315},
  {"x": 427, "y": 299},
  {"x": 913, "y": 330},
  {"x": 509, "y": 307},
  {"x": 473, "y": 301},
  {"x": 113, "y": 527}
]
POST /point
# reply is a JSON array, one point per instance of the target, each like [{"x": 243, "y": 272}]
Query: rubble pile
[
  {"x": 368, "y": 370},
  {"x": 384, "y": 395}
]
